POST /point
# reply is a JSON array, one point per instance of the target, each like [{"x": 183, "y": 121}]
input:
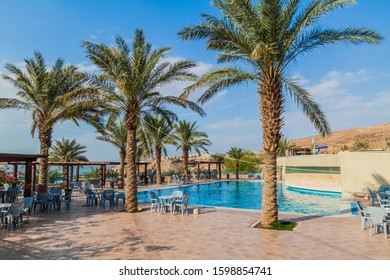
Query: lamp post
[{"x": 313, "y": 139}]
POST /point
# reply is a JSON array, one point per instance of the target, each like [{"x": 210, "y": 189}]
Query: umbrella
[{"x": 321, "y": 147}]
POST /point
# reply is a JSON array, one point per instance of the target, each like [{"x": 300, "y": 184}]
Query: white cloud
[
  {"x": 200, "y": 69},
  {"x": 347, "y": 100},
  {"x": 7, "y": 90},
  {"x": 300, "y": 79},
  {"x": 86, "y": 67}
]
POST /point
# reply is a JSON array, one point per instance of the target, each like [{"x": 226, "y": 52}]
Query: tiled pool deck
[{"x": 91, "y": 233}]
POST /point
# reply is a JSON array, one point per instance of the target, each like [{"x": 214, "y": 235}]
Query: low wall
[
  {"x": 364, "y": 169},
  {"x": 346, "y": 172},
  {"x": 315, "y": 181}
]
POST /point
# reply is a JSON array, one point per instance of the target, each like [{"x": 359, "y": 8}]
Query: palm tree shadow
[
  {"x": 302, "y": 218},
  {"x": 380, "y": 179},
  {"x": 158, "y": 248}
]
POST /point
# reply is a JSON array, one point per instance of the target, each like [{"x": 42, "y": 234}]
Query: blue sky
[{"x": 352, "y": 83}]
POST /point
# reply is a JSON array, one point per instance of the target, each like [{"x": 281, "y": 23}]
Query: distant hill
[{"x": 376, "y": 135}]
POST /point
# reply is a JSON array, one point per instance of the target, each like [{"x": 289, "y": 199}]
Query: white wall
[{"x": 357, "y": 171}]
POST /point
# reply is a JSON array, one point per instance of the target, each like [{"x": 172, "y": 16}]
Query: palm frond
[
  {"x": 12, "y": 103},
  {"x": 218, "y": 80},
  {"x": 309, "y": 106},
  {"x": 317, "y": 37}
]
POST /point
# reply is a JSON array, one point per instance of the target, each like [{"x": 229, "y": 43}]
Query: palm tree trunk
[
  {"x": 45, "y": 144},
  {"x": 157, "y": 153},
  {"x": 185, "y": 161},
  {"x": 237, "y": 176},
  {"x": 131, "y": 205},
  {"x": 271, "y": 102},
  {"x": 122, "y": 155}
]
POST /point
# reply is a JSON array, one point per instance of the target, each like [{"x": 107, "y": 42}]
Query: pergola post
[
  {"x": 27, "y": 178},
  {"x": 65, "y": 169},
  {"x": 34, "y": 174},
  {"x": 15, "y": 171},
  {"x": 71, "y": 173},
  {"x": 219, "y": 171},
  {"x": 209, "y": 170},
  {"x": 102, "y": 175},
  {"x": 198, "y": 171},
  {"x": 146, "y": 173},
  {"x": 77, "y": 173}
]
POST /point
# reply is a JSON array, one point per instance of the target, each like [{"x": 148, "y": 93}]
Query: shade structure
[{"x": 322, "y": 147}]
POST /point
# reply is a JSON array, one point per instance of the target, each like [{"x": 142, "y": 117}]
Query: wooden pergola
[
  {"x": 68, "y": 169},
  {"x": 27, "y": 160},
  {"x": 209, "y": 163}
]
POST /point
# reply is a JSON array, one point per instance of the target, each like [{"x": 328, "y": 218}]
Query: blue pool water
[{"x": 247, "y": 195}]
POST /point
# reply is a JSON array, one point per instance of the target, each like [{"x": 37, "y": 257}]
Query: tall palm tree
[
  {"x": 132, "y": 76},
  {"x": 115, "y": 133},
  {"x": 237, "y": 154},
  {"x": 52, "y": 96},
  {"x": 284, "y": 146},
  {"x": 156, "y": 134},
  {"x": 67, "y": 151},
  {"x": 269, "y": 36},
  {"x": 186, "y": 138}
]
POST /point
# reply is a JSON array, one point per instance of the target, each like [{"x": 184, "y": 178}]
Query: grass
[
  {"x": 283, "y": 225},
  {"x": 278, "y": 225}
]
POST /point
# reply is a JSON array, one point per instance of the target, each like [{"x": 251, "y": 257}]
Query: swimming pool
[{"x": 247, "y": 195}]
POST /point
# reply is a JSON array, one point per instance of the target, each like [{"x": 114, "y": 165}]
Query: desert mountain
[{"x": 376, "y": 135}]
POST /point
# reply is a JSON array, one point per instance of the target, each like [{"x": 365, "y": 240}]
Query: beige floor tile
[{"x": 105, "y": 233}]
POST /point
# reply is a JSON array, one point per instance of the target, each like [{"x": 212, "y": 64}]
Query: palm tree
[
  {"x": 218, "y": 157},
  {"x": 284, "y": 146},
  {"x": 156, "y": 134},
  {"x": 237, "y": 154},
  {"x": 361, "y": 144},
  {"x": 269, "y": 36},
  {"x": 52, "y": 96},
  {"x": 344, "y": 148},
  {"x": 115, "y": 133},
  {"x": 187, "y": 137},
  {"x": 67, "y": 151},
  {"x": 132, "y": 76},
  {"x": 387, "y": 145}
]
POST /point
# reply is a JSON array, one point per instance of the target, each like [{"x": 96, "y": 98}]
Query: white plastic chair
[
  {"x": 28, "y": 202},
  {"x": 177, "y": 194},
  {"x": 182, "y": 204},
  {"x": 372, "y": 196},
  {"x": 383, "y": 202},
  {"x": 14, "y": 215},
  {"x": 154, "y": 202},
  {"x": 363, "y": 215},
  {"x": 378, "y": 219}
]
